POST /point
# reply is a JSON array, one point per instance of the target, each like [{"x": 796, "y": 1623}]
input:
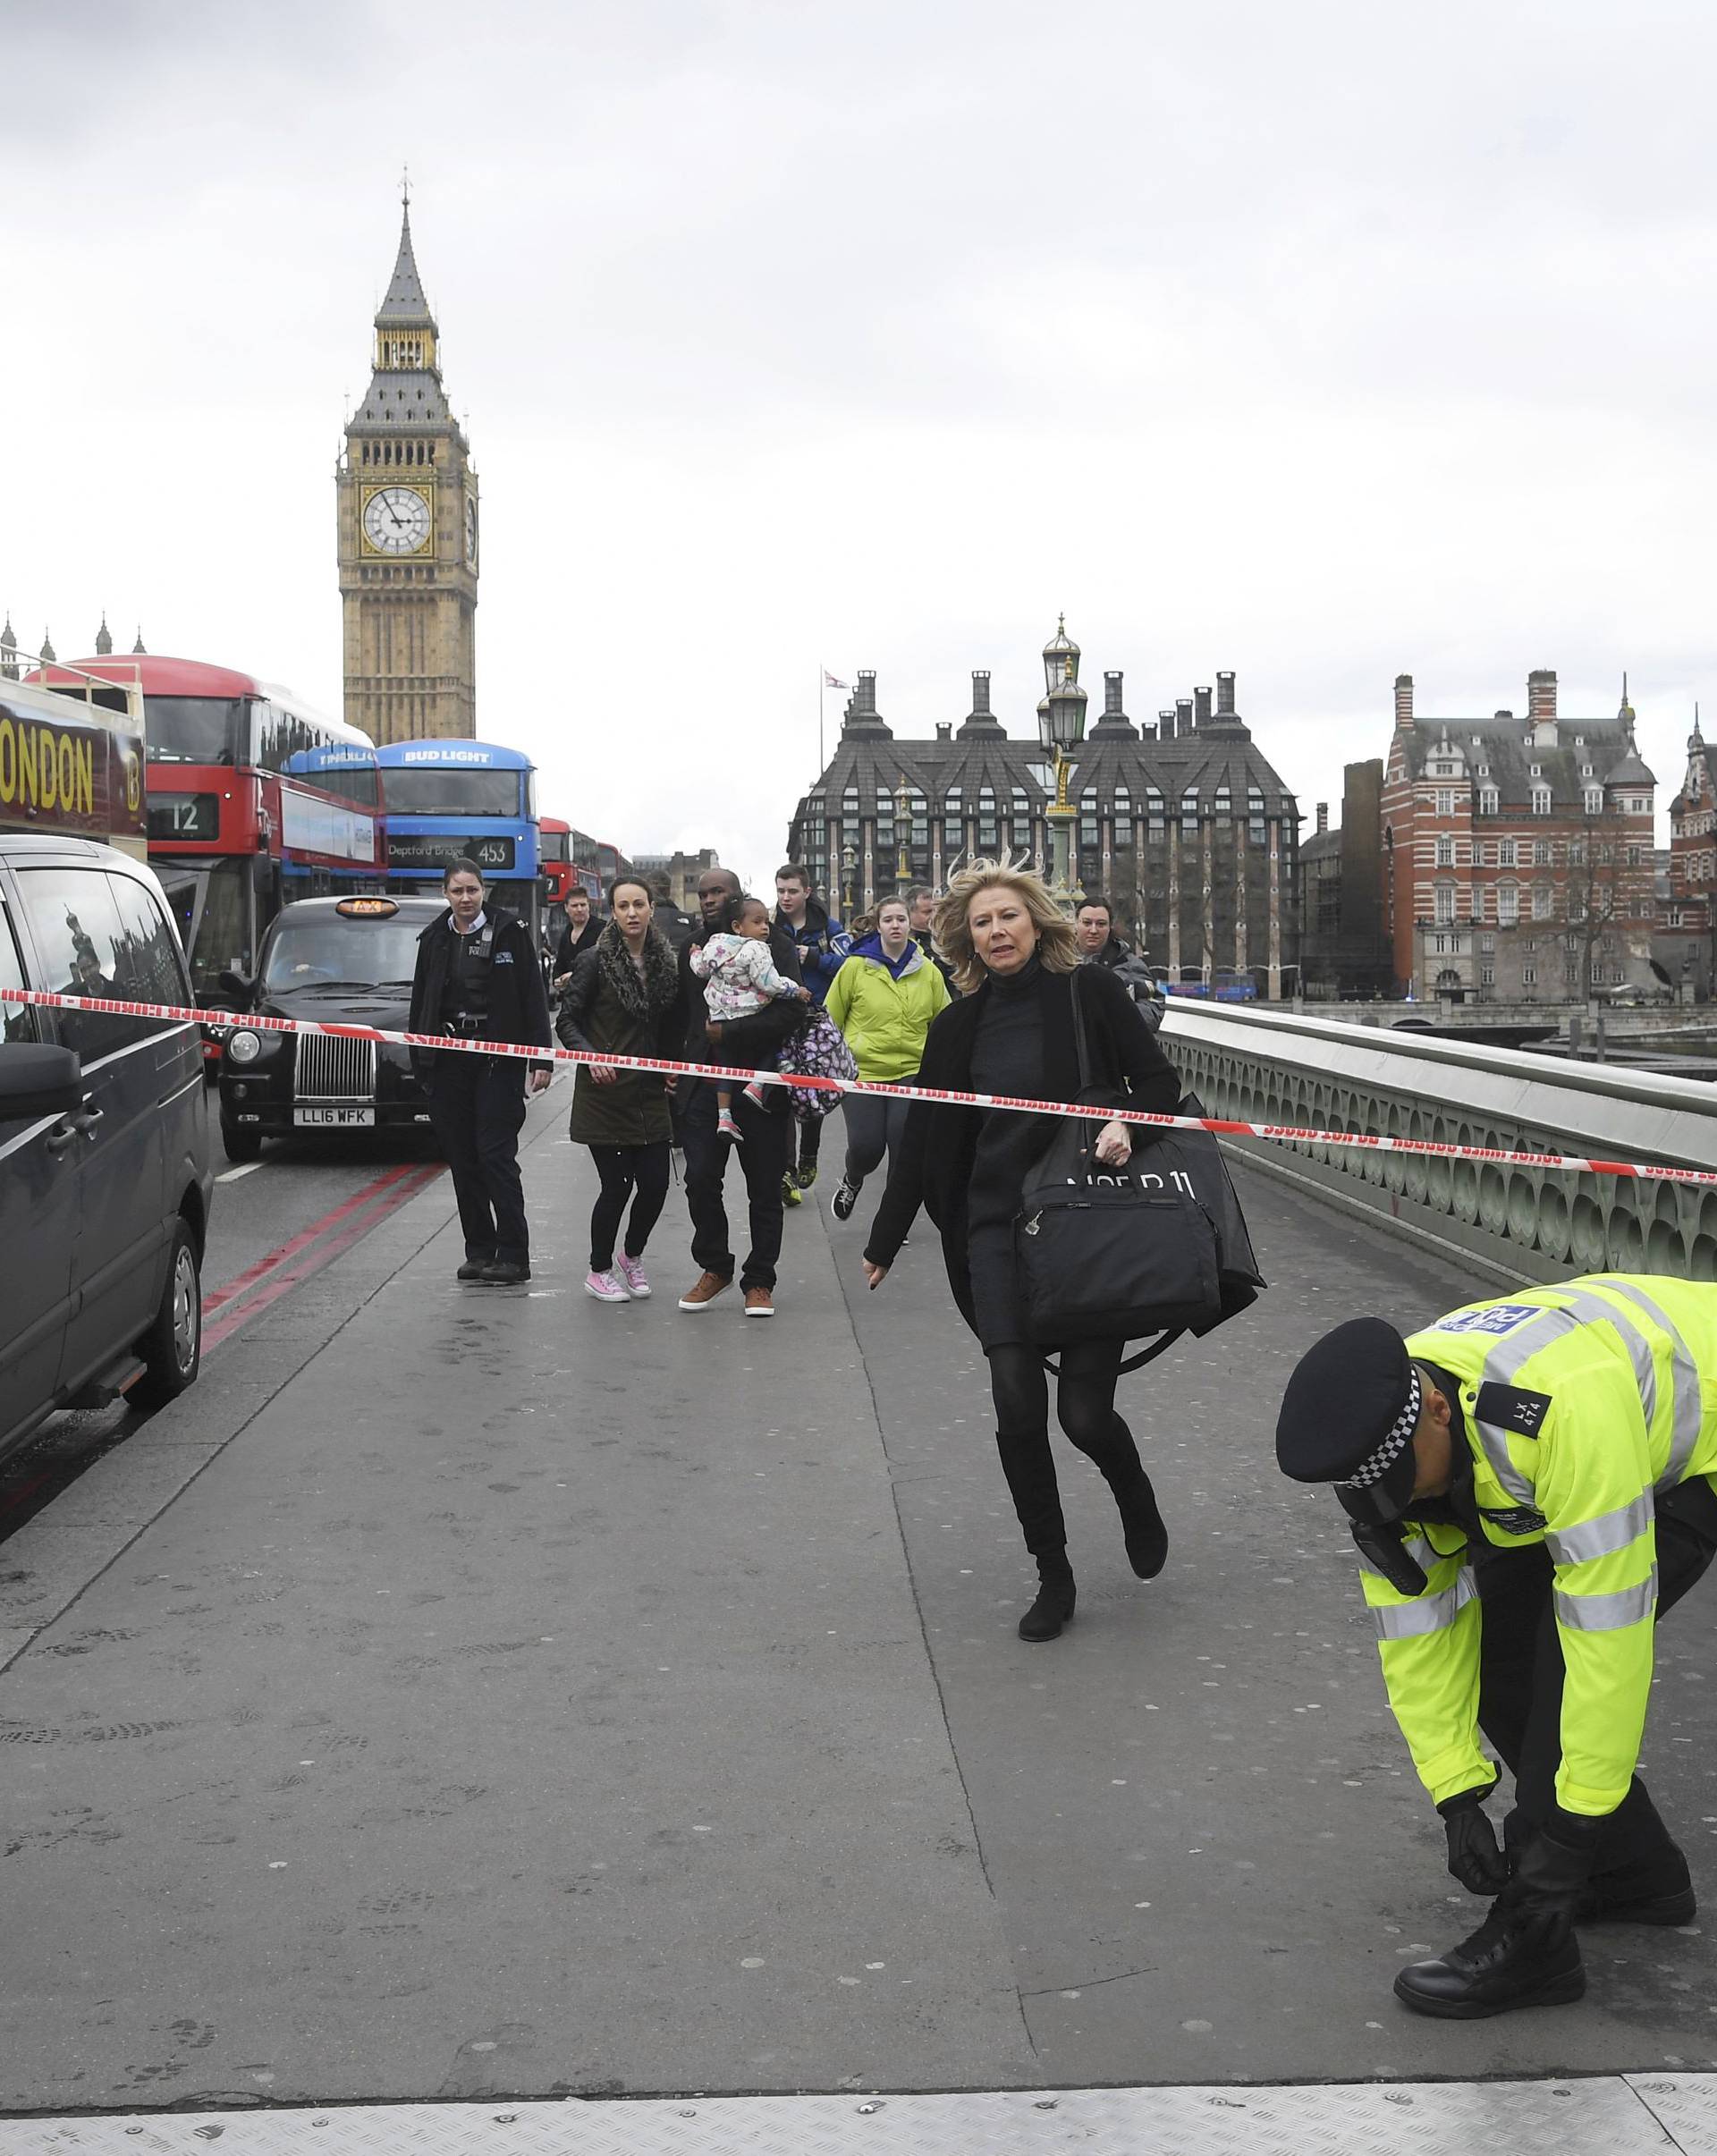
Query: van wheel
[
  {"x": 240, "y": 1145},
  {"x": 172, "y": 1347}
]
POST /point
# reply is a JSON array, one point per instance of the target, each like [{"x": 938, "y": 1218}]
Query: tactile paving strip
[
  {"x": 1686, "y": 2106},
  {"x": 1602, "y": 2117}
]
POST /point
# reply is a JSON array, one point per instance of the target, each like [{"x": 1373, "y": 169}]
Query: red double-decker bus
[
  {"x": 254, "y": 798},
  {"x": 555, "y": 851}
]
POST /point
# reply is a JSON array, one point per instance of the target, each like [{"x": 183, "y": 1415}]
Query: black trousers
[
  {"x": 1085, "y": 1406},
  {"x": 1521, "y": 1671},
  {"x": 477, "y": 1104},
  {"x": 804, "y": 1140},
  {"x": 874, "y": 1125},
  {"x": 763, "y": 1159},
  {"x": 624, "y": 1170}
]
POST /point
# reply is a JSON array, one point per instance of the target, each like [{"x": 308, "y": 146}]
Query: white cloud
[{"x": 1322, "y": 342}]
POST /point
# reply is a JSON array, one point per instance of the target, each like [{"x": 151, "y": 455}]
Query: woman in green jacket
[
  {"x": 883, "y": 1000},
  {"x": 619, "y": 996}
]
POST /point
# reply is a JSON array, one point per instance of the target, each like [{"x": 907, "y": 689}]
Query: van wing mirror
[
  {"x": 38, "y": 1079},
  {"x": 236, "y": 985}
]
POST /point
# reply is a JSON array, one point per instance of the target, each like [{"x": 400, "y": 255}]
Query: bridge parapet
[{"x": 1516, "y": 1223}]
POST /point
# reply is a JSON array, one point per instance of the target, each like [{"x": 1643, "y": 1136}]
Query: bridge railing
[{"x": 1516, "y": 1223}]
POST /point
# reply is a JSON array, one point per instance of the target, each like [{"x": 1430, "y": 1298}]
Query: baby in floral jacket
[{"x": 739, "y": 978}]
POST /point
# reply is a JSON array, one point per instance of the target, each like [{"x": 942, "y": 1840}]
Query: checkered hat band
[{"x": 1400, "y": 1435}]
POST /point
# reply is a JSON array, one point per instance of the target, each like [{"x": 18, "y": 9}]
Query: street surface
[{"x": 468, "y": 1694}]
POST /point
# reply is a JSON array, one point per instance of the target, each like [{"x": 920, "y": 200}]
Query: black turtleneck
[{"x": 1008, "y": 1057}]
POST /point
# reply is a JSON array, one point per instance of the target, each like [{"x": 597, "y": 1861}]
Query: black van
[{"x": 105, "y": 1179}]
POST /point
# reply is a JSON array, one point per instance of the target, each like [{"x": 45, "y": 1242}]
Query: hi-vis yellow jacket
[{"x": 1583, "y": 1404}]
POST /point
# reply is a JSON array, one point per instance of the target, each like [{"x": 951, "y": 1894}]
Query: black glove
[
  {"x": 1474, "y": 1857},
  {"x": 1554, "y": 1868}
]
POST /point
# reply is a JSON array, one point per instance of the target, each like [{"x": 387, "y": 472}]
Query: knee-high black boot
[
  {"x": 1141, "y": 1523},
  {"x": 1030, "y": 1469}
]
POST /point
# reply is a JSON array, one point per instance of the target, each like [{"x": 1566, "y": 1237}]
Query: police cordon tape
[{"x": 1282, "y": 1134}]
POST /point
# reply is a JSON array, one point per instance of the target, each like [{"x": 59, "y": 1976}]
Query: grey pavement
[{"x": 468, "y": 1694}]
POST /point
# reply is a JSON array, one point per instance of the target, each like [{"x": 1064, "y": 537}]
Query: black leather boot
[
  {"x": 1054, "y": 1607},
  {"x": 1147, "y": 1539},
  {"x": 1507, "y": 1964},
  {"x": 1660, "y": 1893}
]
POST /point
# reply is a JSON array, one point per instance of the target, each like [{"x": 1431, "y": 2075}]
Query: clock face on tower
[
  {"x": 396, "y": 521},
  {"x": 470, "y": 529}
]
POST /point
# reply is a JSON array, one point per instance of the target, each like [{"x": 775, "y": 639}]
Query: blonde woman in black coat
[{"x": 1011, "y": 1031}]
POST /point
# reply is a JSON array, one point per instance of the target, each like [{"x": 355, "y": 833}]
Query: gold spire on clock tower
[{"x": 408, "y": 533}]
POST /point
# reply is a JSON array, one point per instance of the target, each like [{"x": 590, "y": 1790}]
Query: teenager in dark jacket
[
  {"x": 1011, "y": 1031},
  {"x": 581, "y": 933},
  {"x": 477, "y": 978},
  {"x": 750, "y": 1042},
  {"x": 620, "y": 998},
  {"x": 921, "y": 910},
  {"x": 822, "y": 944},
  {"x": 1099, "y": 945}
]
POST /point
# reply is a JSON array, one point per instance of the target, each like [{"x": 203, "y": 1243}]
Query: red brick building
[
  {"x": 1516, "y": 852},
  {"x": 1687, "y": 905}
]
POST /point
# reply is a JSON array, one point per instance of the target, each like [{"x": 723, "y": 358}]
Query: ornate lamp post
[
  {"x": 848, "y": 862},
  {"x": 1061, "y": 727},
  {"x": 903, "y": 833}
]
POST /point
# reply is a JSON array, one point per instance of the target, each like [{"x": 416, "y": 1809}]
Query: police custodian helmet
[{"x": 1347, "y": 1417}]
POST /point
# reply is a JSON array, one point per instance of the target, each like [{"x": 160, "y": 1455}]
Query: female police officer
[
  {"x": 477, "y": 978},
  {"x": 1530, "y": 1485}
]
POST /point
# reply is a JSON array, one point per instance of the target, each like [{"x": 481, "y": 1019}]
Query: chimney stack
[
  {"x": 1403, "y": 699},
  {"x": 861, "y": 714},
  {"x": 1225, "y": 695},
  {"x": 980, "y": 719},
  {"x": 1323, "y": 817},
  {"x": 944, "y": 730},
  {"x": 1183, "y": 715},
  {"x": 1201, "y": 706},
  {"x": 1540, "y": 705},
  {"x": 1165, "y": 723},
  {"x": 1112, "y": 694}
]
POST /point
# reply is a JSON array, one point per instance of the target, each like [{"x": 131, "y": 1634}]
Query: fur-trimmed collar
[{"x": 646, "y": 997}]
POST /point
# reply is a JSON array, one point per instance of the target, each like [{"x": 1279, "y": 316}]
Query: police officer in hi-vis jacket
[{"x": 1529, "y": 1482}]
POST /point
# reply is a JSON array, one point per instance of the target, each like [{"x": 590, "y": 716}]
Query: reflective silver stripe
[
  {"x": 1607, "y": 1612},
  {"x": 1601, "y": 1309},
  {"x": 1501, "y": 1365},
  {"x": 1420, "y": 1550},
  {"x": 1603, "y": 1536},
  {"x": 1430, "y": 1613},
  {"x": 1688, "y": 1411}
]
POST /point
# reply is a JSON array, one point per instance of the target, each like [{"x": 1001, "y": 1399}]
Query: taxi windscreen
[{"x": 353, "y": 952}]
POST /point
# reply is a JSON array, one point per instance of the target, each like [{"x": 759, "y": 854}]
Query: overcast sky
[{"x": 1321, "y": 342}]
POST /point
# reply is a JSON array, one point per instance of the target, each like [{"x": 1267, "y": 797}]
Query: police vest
[{"x": 1581, "y": 1403}]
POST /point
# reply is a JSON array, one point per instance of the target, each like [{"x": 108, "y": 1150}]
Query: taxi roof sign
[{"x": 367, "y": 908}]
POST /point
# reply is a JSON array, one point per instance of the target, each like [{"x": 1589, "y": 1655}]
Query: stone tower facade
[{"x": 407, "y": 534}]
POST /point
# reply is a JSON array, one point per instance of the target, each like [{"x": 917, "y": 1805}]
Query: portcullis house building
[{"x": 1180, "y": 821}]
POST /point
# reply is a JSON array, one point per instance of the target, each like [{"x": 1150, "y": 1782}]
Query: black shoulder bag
[{"x": 1157, "y": 1245}]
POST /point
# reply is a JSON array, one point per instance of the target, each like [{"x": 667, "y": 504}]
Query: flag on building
[{"x": 829, "y": 681}]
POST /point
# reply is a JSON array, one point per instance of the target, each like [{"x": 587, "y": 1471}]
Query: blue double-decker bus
[{"x": 447, "y": 799}]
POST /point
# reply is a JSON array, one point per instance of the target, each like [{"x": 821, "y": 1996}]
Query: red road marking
[
  {"x": 243, "y": 1281},
  {"x": 389, "y": 1192}
]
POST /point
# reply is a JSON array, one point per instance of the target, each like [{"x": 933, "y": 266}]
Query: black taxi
[{"x": 337, "y": 961}]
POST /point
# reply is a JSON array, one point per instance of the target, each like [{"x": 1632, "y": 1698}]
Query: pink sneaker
[
  {"x": 605, "y": 1288},
  {"x": 631, "y": 1272},
  {"x": 726, "y": 1127}
]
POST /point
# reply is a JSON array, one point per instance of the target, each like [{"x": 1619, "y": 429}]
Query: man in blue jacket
[{"x": 822, "y": 944}]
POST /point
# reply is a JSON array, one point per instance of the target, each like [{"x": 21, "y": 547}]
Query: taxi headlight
[{"x": 244, "y": 1048}]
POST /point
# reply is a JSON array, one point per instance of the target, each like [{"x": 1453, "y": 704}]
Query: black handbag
[{"x": 1158, "y": 1245}]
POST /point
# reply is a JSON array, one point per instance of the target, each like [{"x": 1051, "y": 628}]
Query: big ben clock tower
[{"x": 408, "y": 511}]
